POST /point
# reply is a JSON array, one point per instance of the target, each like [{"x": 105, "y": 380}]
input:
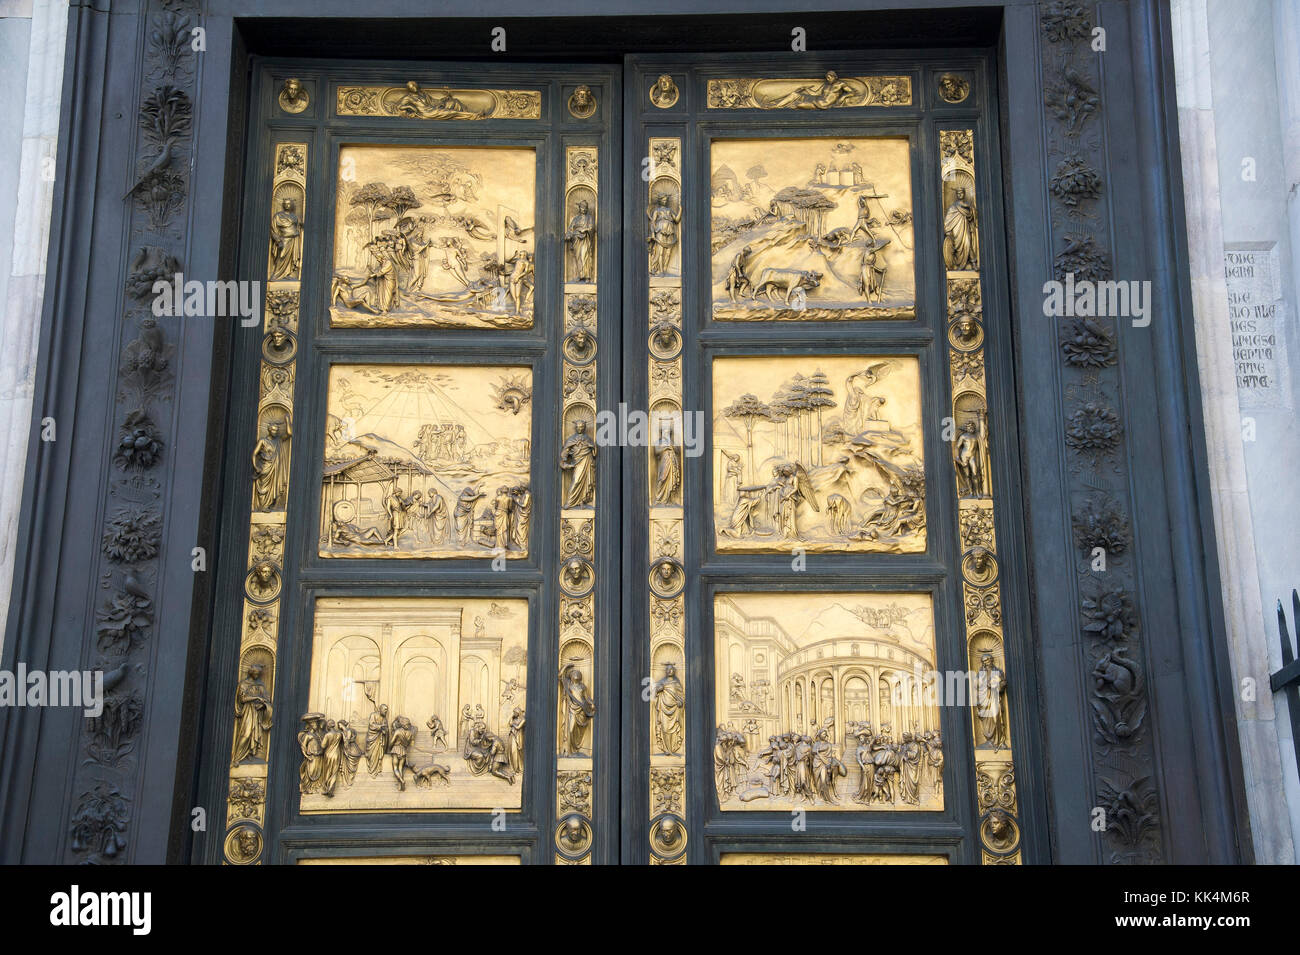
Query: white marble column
[
  {"x": 1269, "y": 785},
  {"x": 31, "y": 74}
]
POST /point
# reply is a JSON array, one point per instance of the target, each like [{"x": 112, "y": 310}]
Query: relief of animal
[
  {"x": 835, "y": 239},
  {"x": 785, "y": 281},
  {"x": 424, "y": 777}
]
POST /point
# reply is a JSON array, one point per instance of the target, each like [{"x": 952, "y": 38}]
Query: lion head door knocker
[
  {"x": 582, "y": 102},
  {"x": 664, "y": 93},
  {"x": 293, "y": 96}
]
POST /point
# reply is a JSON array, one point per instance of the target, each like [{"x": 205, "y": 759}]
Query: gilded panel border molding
[
  {"x": 576, "y": 630},
  {"x": 828, "y": 858},
  {"x": 831, "y": 91},
  {"x": 1098, "y": 482},
  {"x": 253, "y": 703},
  {"x": 986, "y": 644},
  {"x": 667, "y": 601},
  {"x": 413, "y": 101}
]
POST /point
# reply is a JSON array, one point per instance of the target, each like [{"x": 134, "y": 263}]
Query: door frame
[{"x": 1190, "y": 748}]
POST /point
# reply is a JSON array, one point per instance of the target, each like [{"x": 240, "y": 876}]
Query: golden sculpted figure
[
  {"x": 271, "y": 466},
  {"x": 436, "y": 104},
  {"x": 577, "y": 710},
  {"x": 252, "y": 716},
  {"x": 581, "y": 238},
  {"x": 377, "y": 739},
  {"x": 293, "y": 98},
  {"x": 990, "y": 704},
  {"x": 820, "y": 95},
  {"x": 669, "y": 709},
  {"x": 286, "y": 243},
  {"x": 961, "y": 249},
  {"x": 664, "y": 92},
  {"x": 663, "y": 233},
  {"x": 311, "y": 772},
  {"x": 578, "y": 458},
  {"x": 668, "y": 467}
]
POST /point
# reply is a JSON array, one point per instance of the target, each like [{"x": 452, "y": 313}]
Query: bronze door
[
  {"x": 423, "y": 658},
  {"x": 588, "y": 513},
  {"x": 821, "y": 638}
]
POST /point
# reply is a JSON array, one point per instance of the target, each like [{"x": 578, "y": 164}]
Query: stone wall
[
  {"x": 31, "y": 74},
  {"x": 1238, "y": 79}
]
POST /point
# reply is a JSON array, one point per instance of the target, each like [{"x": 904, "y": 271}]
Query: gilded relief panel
[
  {"x": 437, "y": 103},
  {"x": 828, "y": 460},
  {"x": 831, "y": 91},
  {"x": 812, "y": 229},
  {"x": 427, "y": 461},
  {"x": 415, "y": 860},
  {"x": 436, "y": 236},
  {"x": 826, "y": 858},
  {"x": 823, "y": 702},
  {"x": 415, "y": 704}
]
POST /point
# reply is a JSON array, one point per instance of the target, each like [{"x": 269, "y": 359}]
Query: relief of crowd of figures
[
  {"x": 823, "y": 702},
  {"x": 427, "y": 461},
  {"x": 458, "y": 667},
  {"x": 436, "y": 237}
]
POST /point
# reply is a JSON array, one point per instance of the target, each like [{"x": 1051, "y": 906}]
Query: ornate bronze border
[
  {"x": 666, "y": 480},
  {"x": 829, "y": 92},
  {"x": 254, "y": 693},
  {"x": 130, "y": 558},
  {"x": 986, "y": 646},
  {"x": 1126, "y": 803},
  {"x": 576, "y": 632},
  {"x": 437, "y": 103}
]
